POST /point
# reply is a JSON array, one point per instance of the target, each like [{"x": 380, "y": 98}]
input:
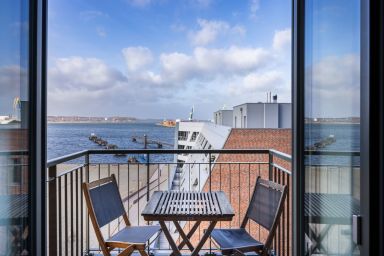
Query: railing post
[
  {"x": 270, "y": 163},
  {"x": 148, "y": 190},
  {"x": 52, "y": 210},
  {"x": 86, "y": 163},
  {"x": 210, "y": 189},
  {"x": 210, "y": 169}
]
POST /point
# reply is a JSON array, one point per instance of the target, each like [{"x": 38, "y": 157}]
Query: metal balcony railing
[{"x": 232, "y": 171}]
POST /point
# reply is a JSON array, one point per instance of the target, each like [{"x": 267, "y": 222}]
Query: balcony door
[
  {"x": 338, "y": 127},
  {"x": 329, "y": 106},
  {"x": 22, "y": 154}
]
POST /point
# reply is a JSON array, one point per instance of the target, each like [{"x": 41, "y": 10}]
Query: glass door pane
[
  {"x": 332, "y": 125},
  {"x": 14, "y": 127}
]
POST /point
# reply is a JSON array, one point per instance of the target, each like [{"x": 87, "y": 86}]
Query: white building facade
[
  {"x": 193, "y": 169},
  {"x": 223, "y": 117},
  {"x": 262, "y": 115}
]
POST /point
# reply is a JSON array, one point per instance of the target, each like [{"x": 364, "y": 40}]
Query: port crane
[{"x": 16, "y": 107}]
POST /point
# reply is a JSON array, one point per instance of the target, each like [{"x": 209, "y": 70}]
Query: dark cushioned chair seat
[
  {"x": 239, "y": 238},
  {"x": 134, "y": 235}
]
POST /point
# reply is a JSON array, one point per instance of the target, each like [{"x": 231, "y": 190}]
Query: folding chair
[
  {"x": 105, "y": 205},
  {"x": 265, "y": 208}
]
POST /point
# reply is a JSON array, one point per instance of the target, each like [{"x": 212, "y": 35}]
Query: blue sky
[
  {"x": 13, "y": 53},
  {"x": 158, "y": 58},
  {"x": 332, "y": 58}
]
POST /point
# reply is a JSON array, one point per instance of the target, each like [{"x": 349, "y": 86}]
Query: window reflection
[
  {"x": 14, "y": 171},
  {"x": 332, "y": 123}
]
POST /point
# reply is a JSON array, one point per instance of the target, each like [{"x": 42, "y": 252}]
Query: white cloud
[
  {"x": 207, "y": 63},
  {"x": 263, "y": 81},
  {"x": 282, "y": 39},
  {"x": 178, "y": 66},
  {"x": 149, "y": 82},
  {"x": 210, "y": 30},
  {"x": 12, "y": 77},
  {"x": 336, "y": 72},
  {"x": 13, "y": 81},
  {"x": 87, "y": 86},
  {"x": 136, "y": 58},
  {"x": 254, "y": 7},
  {"x": 77, "y": 73},
  {"x": 170, "y": 77},
  {"x": 232, "y": 59},
  {"x": 257, "y": 83},
  {"x": 334, "y": 86}
]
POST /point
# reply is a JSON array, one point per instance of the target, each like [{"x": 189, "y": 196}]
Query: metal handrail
[
  {"x": 331, "y": 153},
  {"x": 79, "y": 154},
  {"x": 66, "y": 158},
  {"x": 274, "y": 152}
]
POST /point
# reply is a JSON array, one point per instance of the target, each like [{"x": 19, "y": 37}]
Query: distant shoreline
[
  {"x": 102, "y": 122},
  {"x": 344, "y": 123}
]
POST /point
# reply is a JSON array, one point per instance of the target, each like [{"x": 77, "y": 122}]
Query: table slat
[{"x": 180, "y": 205}]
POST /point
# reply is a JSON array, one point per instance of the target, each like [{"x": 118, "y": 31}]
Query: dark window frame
[
  {"x": 37, "y": 126},
  {"x": 372, "y": 126}
]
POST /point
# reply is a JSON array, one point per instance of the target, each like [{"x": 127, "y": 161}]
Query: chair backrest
[
  {"x": 104, "y": 204},
  {"x": 106, "y": 201},
  {"x": 266, "y": 206}
]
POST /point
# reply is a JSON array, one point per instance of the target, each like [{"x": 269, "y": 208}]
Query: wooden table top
[{"x": 184, "y": 206}]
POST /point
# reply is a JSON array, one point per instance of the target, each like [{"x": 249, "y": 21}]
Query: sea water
[{"x": 68, "y": 138}]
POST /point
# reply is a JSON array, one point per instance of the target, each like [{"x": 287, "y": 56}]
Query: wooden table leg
[
  {"x": 184, "y": 237},
  {"x": 204, "y": 238},
  {"x": 172, "y": 243},
  {"x": 190, "y": 233}
]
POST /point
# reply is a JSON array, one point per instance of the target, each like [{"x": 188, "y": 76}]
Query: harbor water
[{"x": 67, "y": 138}]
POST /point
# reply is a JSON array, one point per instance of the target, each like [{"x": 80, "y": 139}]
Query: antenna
[{"x": 191, "y": 114}]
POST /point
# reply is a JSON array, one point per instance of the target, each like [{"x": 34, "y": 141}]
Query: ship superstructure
[{"x": 193, "y": 169}]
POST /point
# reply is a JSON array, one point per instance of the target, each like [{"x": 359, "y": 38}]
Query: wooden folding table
[{"x": 178, "y": 206}]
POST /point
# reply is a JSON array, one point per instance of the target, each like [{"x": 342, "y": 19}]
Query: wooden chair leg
[
  {"x": 143, "y": 253},
  {"x": 127, "y": 251}
]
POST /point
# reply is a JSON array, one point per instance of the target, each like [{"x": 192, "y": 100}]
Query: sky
[
  {"x": 332, "y": 58},
  {"x": 158, "y": 58}
]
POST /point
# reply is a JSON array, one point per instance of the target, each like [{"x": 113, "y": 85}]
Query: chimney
[{"x": 275, "y": 98}]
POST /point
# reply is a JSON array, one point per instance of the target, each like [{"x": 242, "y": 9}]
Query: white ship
[
  {"x": 193, "y": 169},
  {"x": 8, "y": 120}
]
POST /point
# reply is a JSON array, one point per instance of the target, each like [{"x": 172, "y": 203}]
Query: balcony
[{"x": 232, "y": 171}]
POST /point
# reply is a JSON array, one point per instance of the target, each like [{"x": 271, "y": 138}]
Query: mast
[{"x": 191, "y": 114}]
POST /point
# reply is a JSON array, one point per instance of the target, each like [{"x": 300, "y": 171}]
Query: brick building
[
  {"x": 236, "y": 174},
  {"x": 12, "y": 143}
]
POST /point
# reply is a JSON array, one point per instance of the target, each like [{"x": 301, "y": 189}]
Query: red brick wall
[
  {"x": 237, "y": 179},
  {"x": 14, "y": 140}
]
